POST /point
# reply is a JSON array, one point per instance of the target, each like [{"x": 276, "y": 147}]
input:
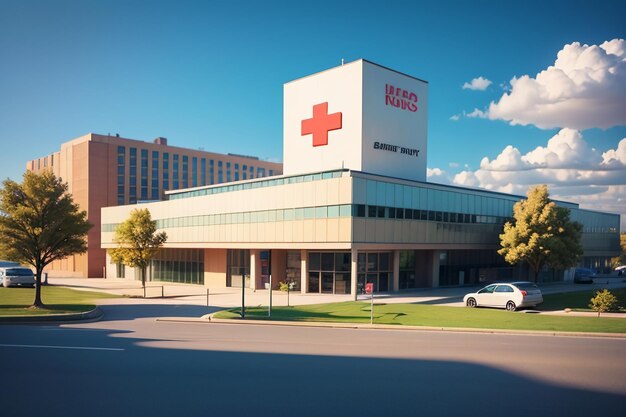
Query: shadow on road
[{"x": 156, "y": 381}]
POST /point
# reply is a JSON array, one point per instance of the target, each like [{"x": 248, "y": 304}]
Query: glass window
[
  {"x": 328, "y": 261},
  {"x": 314, "y": 261},
  {"x": 185, "y": 171}
]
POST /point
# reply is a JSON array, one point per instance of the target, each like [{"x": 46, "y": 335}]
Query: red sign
[
  {"x": 321, "y": 124},
  {"x": 400, "y": 98},
  {"x": 369, "y": 288}
]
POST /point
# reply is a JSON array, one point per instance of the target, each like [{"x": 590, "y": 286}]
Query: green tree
[
  {"x": 40, "y": 223},
  {"x": 621, "y": 259},
  {"x": 137, "y": 241},
  {"x": 603, "y": 301},
  {"x": 541, "y": 234}
]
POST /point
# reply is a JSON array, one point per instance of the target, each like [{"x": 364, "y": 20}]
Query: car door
[
  {"x": 484, "y": 297},
  {"x": 502, "y": 295}
]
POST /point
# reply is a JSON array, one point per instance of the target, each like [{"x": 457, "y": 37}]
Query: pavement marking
[{"x": 62, "y": 347}]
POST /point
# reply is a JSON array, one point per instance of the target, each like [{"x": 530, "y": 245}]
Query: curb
[
  {"x": 207, "y": 319},
  {"x": 91, "y": 315}
]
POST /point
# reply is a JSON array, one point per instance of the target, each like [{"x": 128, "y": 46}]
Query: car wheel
[
  {"x": 511, "y": 306},
  {"x": 471, "y": 302}
]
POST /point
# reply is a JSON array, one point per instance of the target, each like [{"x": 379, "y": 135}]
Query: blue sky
[{"x": 210, "y": 74}]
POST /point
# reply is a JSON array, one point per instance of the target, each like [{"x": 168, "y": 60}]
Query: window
[
  {"x": 185, "y": 171},
  {"x": 121, "y": 179},
  {"x": 144, "y": 174},
  {"x": 194, "y": 171},
  {"x": 227, "y": 171},
  {"x": 220, "y": 172},
  {"x": 154, "y": 192},
  {"x": 132, "y": 177},
  {"x": 166, "y": 171},
  {"x": 175, "y": 173},
  {"x": 212, "y": 171},
  {"x": 203, "y": 171}
]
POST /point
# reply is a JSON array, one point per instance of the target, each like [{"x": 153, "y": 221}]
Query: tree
[
  {"x": 621, "y": 259},
  {"x": 541, "y": 234},
  {"x": 137, "y": 241},
  {"x": 603, "y": 301},
  {"x": 40, "y": 223}
]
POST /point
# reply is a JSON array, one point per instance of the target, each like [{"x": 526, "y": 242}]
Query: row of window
[
  {"x": 256, "y": 184},
  {"x": 361, "y": 210},
  {"x": 323, "y": 212},
  {"x": 160, "y": 163}
]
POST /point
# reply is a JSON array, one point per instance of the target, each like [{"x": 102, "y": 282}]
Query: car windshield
[
  {"x": 526, "y": 286},
  {"x": 19, "y": 272},
  {"x": 487, "y": 290}
]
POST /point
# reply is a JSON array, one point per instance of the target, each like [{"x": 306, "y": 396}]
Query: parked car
[
  {"x": 584, "y": 275},
  {"x": 507, "y": 295},
  {"x": 16, "y": 275}
]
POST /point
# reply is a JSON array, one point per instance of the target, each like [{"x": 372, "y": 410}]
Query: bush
[{"x": 603, "y": 301}]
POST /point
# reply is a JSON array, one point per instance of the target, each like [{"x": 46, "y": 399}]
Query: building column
[
  {"x": 303, "y": 271},
  {"x": 395, "y": 286},
  {"x": 353, "y": 272},
  {"x": 254, "y": 271}
]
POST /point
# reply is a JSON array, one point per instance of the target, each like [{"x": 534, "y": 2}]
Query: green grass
[
  {"x": 579, "y": 300},
  {"x": 15, "y": 301},
  {"x": 433, "y": 316}
]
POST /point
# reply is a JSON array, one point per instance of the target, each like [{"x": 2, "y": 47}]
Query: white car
[
  {"x": 16, "y": 275},
  {"x": 509, "y": 295}
]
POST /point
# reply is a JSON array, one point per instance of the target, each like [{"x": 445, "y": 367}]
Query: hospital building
[{"x": 351, "y": 205}]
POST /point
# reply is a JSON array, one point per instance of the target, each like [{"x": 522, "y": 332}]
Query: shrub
[{"x": 603, "y": 301}]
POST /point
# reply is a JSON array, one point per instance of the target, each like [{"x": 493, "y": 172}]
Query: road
[{"x": 131, "y": 365}]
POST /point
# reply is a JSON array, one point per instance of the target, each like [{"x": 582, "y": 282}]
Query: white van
[{"x": 16, "y": 275}]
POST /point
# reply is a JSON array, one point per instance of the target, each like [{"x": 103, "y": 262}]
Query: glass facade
[
  {"x": 237, "y": 267},
  {"x": 329, "y": 272},
  {"x": 121, "y": 178},
  {"x": 374, "y": 267},
  {"x": 178, "y": 265}
]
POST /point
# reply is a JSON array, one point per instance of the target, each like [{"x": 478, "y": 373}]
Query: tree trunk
[
  {"x": 143, "y": 276},
  {"x": 38, "y": 303}
]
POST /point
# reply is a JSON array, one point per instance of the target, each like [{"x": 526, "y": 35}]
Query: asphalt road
[{"x": 131, "y": 365}]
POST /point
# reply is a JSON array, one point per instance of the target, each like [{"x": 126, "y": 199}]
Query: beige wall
[{"x": 215, "y": 268}]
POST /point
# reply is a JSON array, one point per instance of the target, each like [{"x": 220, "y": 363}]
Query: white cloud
[
  {"x": 585, "y": 88},
  {"x": 455, "y": 117},
  {"x": 438, "y": 175},
  {"x": 573, "y": 170},
  {"x": 478, "y": 114},
  {"x": 479, "y": 83}
]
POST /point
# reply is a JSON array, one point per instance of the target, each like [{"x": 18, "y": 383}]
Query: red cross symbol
[{"x": 321, "y": 124}]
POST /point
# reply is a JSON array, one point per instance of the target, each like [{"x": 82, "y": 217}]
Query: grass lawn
[
  {"x": 435, "y": 316},
  {"x": 15, "y": 301},
  {"x": 579, "y": 300}
]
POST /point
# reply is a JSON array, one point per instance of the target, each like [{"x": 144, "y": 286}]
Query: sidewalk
[{"x": 228, "y": 297}]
